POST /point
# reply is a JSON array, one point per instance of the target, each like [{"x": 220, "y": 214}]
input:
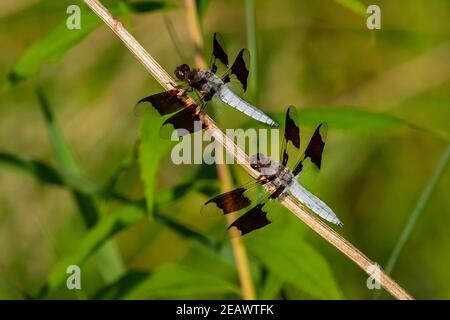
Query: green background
[{"x": 85, "y": 181}]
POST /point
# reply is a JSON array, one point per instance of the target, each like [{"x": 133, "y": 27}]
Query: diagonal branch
[{"x": 289, "y": 202}]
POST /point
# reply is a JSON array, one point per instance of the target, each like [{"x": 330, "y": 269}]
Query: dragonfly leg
[{"x": 201, "y": 100}]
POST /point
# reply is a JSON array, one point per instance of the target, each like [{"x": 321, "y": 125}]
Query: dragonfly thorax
[
  {"x": 206, "y": 82},
  {"x": 270, "y": 168}
]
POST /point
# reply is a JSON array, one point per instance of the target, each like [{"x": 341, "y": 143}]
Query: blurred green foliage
[{"x": 104, "y": 194}]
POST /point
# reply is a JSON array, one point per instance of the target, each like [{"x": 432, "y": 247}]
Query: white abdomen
[
  {"x": 230, "y": 98},
  {"x": 313, "y": 203}
]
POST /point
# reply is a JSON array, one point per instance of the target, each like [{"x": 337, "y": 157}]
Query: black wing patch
[
  {"x": 316, "y": 145},
  {"x": 291, "y": 134},
  {"x": 231, "y": 201},
  {"x": 253, "y": 219},
  {"x": 292, "y": 131},
  {"x": 186, "y": 121},
  {"x": 166, "y": 102},
  {"x": 240, "y": 67},
  {"x": 241, "y": 198},
  {"x": 218, "y": 53},
  {"x": 314, "y": 150}
]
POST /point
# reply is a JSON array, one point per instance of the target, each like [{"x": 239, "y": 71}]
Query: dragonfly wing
[
  {"x": 184, "y": 122},
  {"x": 253, "y": 219},
  {"x": 234, "y": 200},
  {"x": 312, "y": 156},
  {"x": 240, "y": 68},
  {"x": 249, "y": 195},
  {"x": 219, "y": 51},
  {"x": 231, "y": 201},
  {"x": 291, "y": 139},
  {"x": 166, "y": 102}
]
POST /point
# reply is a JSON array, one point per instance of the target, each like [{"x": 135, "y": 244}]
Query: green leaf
[
  {"x": 32, "y": 168},
  {"x": 182, "y": 230},
  {"x": 202, "y": 7},
  {"x": 88, "y": 208},
  {"x": 10, "y": 291},
  {"x": 152, "y": 149},
  {"x": 286, "y": 254},
  {"x": 178, "y": 282},
  {"x": 95, "y": 238},
  {"x": 417, "y": 211},
  {"x": 116, "y": 290},
  {"x": 272, "y": 287},
  {"x": 55, "y": 44},
  {"x": 44, "y": 173},
  {"x": 148, "y": 6},
  {"x": 207, "y": 260},
  {"x": 353, "y": 120},
  {"x": 354, "y": 5},
  {"x": 200, "y": 258},
  {"x": 60, "y": 147},
  {"x": 207, "y": 187},
  {"x": 107, "y": 190},
  {"x": 52, "y": 47}
]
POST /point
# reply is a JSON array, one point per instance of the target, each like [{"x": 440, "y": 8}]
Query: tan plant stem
[
  {"x": 195, "y": 32},
  {"x": 239, "y": 155},
  {"x": 239, "y": 251}
]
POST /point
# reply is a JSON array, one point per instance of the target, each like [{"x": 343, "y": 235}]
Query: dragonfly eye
[
  {"x": 182, "y": 72},
  {"x": 254, "y": 161}
]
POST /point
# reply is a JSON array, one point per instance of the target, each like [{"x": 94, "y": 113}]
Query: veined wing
[
  {"x": 187, "y": 120},
  {"x": 312, "y": 157},
  {"x": 184, "y": 122},
  {"x": 310, "y": 161},
  {"x": 291, "y": 139},
  {"x": 166, "y": 102},
  {"x": 238, "y": 199},
  {"x": 218, "y": 54},
  {"x": 226, "y": 95},
  {"x": 313, "y": 203},
  {"x": 238, "y": 71},
  {"x": 253, "y": 219}
]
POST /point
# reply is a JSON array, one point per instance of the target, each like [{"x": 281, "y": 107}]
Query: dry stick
[
  {"x": 195, "y": 32},
  {"x": 289, "y": 202},
  {"x": 239, "y": 251}
]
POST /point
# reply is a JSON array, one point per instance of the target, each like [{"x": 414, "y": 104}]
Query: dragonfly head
[
  {"x": 259, "y": 161},
  {"x": 183, "y": 72}
]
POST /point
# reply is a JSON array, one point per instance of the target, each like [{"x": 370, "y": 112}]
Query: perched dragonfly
[
  {"x": 279, "y": 179},
  {"x": 208, "y": 85}
]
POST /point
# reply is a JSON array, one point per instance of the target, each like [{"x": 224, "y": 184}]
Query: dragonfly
[
  {"x": 278, "y": 180},
  {"x": 208, "y": 85}
]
